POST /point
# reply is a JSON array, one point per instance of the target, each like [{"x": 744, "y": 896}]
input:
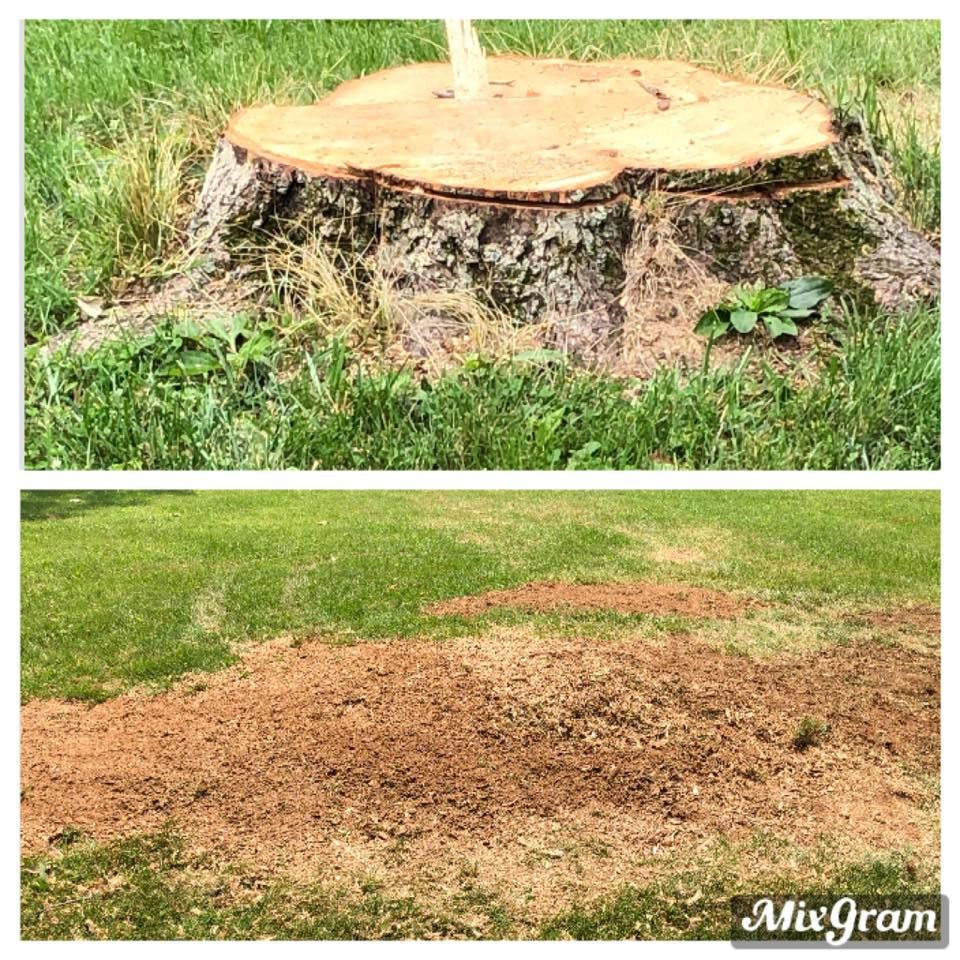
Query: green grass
[
  {"x": 141, "y": 889},
  {"x": 874, "y": 405},
  {"x": 128, "y": 588},
  {"x": 149, "y": 887},
  {"x": 124, "y": 589},
  {"x": 119, "y": 121},
  {"x": 690, "y": 906}
]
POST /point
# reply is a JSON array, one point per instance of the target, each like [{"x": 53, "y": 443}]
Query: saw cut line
[{"x": 551, "y": 127}]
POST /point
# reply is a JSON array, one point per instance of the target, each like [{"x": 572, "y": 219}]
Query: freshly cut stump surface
[
  {"x": 534, "y": 195},
  {"x": 559, "y": 766},
  {"x": 548, "y": 130}
]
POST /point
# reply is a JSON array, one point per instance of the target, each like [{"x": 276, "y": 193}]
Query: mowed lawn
[
  {"x": 129, "y": 588},
  {"x": 120, "y": 121},
  {"x": 124, "y": 593}
]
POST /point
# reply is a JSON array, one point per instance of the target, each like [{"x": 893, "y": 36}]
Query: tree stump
[{"x": 532, "y": 196}]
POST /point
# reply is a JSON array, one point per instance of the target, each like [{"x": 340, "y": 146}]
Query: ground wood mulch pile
[
  {"x": 917, "y": 618},
  {"x": 520, "y": 757},
  {"x": 627, "y": 597}
]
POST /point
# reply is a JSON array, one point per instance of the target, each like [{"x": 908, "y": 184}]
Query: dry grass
[
  {"x": 666, "y": 292},
  {"x": 915, "y": 109},
  {"x": 794, "y": 630},
  {"x": 141, "y": 200},
  {"x": 705, "y": 549},
  {"x": 322, "y": 293},
  {"x": 208, "y": 611}
]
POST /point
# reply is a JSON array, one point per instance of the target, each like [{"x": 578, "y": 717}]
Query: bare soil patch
[
  {"x": 920, "y": 617},
  {"x": 635, "y": 597},
  {"x": 539, "y": 768}
]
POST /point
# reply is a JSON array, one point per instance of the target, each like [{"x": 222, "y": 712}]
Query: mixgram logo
[{"x": 840, "y": 920}]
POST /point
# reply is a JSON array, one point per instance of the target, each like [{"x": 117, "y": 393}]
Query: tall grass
[{"x": 873, "y": 405}]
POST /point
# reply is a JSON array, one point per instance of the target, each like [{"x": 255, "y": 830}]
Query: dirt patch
[
  {"x": 665, "y": 293},
  {"x": 637, "y": 597},
  {"x": 920, "y": 617},
  {"x": 678, "y": 555},
  {"x": 539, "y": 768}
]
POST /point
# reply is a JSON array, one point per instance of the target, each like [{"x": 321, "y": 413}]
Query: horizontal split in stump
[{"x": 532, "y": 197}]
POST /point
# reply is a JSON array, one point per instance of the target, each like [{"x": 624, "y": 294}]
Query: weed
[
  {"x": 191, "y": 401},
  {"x": 810, "y": 732},
  {"x": 775, "y": 307}
]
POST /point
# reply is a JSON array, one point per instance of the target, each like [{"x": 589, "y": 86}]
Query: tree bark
[
  {"x": 845, "y": 227},
  {"x": 567, "y": 263},
  {"x": 534, "y": 262},
  {"x": 540, "y": 245}
]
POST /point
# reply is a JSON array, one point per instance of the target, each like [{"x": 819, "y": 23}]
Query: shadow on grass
[{"x": 63, "y": 504}]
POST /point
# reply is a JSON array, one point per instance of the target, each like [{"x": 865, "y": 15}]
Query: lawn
[
  {"x": 120, "y": 119},
  {"x": 188, "y": 658}
]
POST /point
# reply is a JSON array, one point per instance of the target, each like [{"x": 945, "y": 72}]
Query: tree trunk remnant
[
  {"x": 532, "y": 197},
  {"x": 468, "y": 60}
]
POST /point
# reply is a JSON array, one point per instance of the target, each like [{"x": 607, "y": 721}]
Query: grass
[
  {"x": 150, "y": 887},
  {"x": 145, "y": 888},
  {"x": 127, "y": 590},
  {"x": 874, "y": 405},
  {"x": 798, "y": 629},
  {"x": 120, "y": 117},
  {"x": 121, "y": 589},
  {"x": 810, "y": 733},
  {"x": 686, "y": 907}
]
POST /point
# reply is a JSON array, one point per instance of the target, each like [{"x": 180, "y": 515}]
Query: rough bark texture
[
  {"x": 846, "y": 228},
  {"x": 533, "y": 262},
  {"x": 828, "y": 213},
  {"x": 565, "y": 263}
]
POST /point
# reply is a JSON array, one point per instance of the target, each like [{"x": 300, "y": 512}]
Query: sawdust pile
[
  {"x": 636, "y": 597},
  {"x": 412, "y": 759}
]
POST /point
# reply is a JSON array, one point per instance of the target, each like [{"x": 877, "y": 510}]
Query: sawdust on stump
[{"x": 413, "y": 761}]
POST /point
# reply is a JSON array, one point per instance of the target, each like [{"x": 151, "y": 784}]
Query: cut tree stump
[{"x": 533, "y": 196}]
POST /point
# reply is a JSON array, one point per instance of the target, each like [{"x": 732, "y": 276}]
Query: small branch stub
[{"x": 467, "y": 57}]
